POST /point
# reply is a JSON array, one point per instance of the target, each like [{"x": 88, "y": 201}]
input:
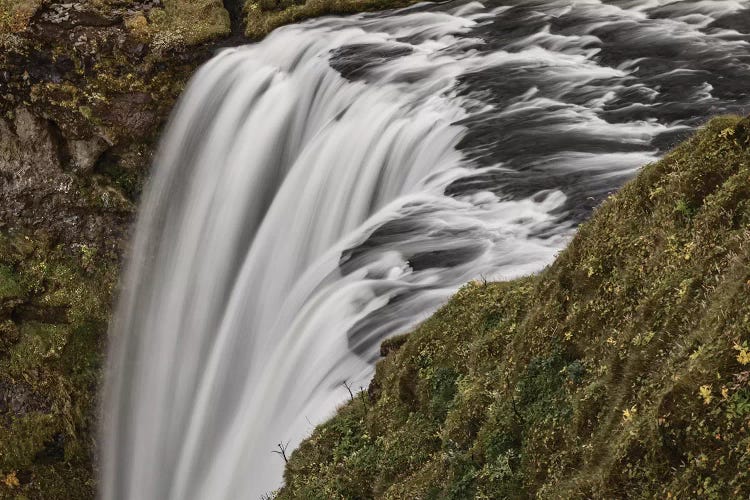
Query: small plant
[
  {"x": 743, "y": 355},
  {"x": 684, "y": 209},
  {"x": 628, "y": 414},
  {"x": 11, "y": 481}
]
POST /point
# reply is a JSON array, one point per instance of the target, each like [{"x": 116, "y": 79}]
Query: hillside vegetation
[
  {"x": 263, "y": 16},
  {"x": 623, "y": 370}
]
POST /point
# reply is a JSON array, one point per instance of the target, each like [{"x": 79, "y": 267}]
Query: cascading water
[{"x": 335, "y": 183}]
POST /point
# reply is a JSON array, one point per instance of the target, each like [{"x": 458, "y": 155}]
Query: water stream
[{"x": 335, "y": 183}]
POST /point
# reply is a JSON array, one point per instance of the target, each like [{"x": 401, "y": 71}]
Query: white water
[{"x": 290, "y": 216}]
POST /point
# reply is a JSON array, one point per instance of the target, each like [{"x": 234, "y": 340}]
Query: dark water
[{"x": 556, "y": 123}]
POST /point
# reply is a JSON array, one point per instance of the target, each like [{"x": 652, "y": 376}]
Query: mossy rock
[
  {"x": 52, "y": 331},
  {"x": 263, "y": 16}
]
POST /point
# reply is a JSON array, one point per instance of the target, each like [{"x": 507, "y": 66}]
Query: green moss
[
  {"x": 28, "y": 435},
  {"x": 185, "y": 23},
  {"x": 38, "y": 342},
  {"x": 52, "y": 340},
  {"x": 623, "y": 370},
  {"x": 263, "y": 16},
  {"x": 9, "y": 288}
]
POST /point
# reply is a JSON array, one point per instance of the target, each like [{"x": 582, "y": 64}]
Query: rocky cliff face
[{"x": 85, "y": 87}]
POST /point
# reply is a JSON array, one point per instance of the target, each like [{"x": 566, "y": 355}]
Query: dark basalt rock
[
  {"x": 41, "y": 188},
  {"x": 134, "y": 112}
]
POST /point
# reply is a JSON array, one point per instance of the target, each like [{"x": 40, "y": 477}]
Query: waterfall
[{"x": 335, "y": 183}]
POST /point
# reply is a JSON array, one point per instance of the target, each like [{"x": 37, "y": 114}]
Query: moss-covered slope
[
  {"x": 263, "y": 16},
  {"x": 623, "y": 370}
]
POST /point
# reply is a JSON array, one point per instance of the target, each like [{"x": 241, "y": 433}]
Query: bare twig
[
  {"x": 282, "y": 451},
  {"x": 512, "y": 397},
  {"x": 349, "y": 388}
]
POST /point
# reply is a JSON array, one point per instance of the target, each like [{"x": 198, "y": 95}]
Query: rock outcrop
[{"x": 85, "y": 87}]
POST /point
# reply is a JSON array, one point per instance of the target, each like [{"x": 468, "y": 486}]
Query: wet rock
[
  {"x": 27, "y": 150},
  {"x": 40, "y": 192},
  {"x": 86, "y": 152},
  {"x": 53, "y": 451},
  {"x": 50, "y": 315},
  {"x": 132, "y": 112},
  {"x": 742, "y": 132}
]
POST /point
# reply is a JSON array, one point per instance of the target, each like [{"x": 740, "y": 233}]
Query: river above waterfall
[{"x": 335, "y": 183}]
